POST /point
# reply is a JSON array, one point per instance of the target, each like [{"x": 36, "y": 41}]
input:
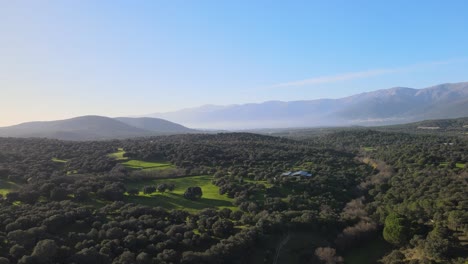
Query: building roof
[
  {"x": 297, "y": 173},
  {"x": 302, "y": 173}
]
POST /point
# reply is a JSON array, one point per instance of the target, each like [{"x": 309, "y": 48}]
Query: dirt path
[{"x": 280, "y": 246}]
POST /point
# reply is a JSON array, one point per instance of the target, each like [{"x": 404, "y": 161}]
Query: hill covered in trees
[{"x": 94, "y": 128}]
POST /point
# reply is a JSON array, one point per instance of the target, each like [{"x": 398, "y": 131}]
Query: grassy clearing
[
  {"x": 119, "y": 155},
  {"x": 146, "y": 165},
  {"x": 59, "y": 160},
  {"x": 7, "y": 186},
  {"x": 457, "y": 165},
  {"x": 368, "y": 253},
  {"x": 369, "y": 148},
  {"x": 139, "y": 164},
  {"x": 175, "y": 199}
]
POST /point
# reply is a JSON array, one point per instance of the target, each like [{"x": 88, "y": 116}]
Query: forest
[{"x": 374, "y": 196}]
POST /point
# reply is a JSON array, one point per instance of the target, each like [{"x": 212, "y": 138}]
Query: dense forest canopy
[{"x": 221, "y": 198}]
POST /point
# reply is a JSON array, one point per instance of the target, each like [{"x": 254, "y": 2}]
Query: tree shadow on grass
[{"x": 177, "y": 201}]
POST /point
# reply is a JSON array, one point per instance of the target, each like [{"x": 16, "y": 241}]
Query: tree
[
  {"x": 17, "y": 251},
  {"x": 12, "y": 196},
  {"x": 45, "y": 250},
  {"x": 193, "y": 193},
  {"x": 395, "y": 230},
  {"x": 133, "y": 192},
  {"x": 125, "y": 258},
  {"x": 170, "y": 187},
  {"x": 437, "y": 245},
  {"x": 162, "y": 187},
  {"x": 456, "y": 219},
  {"x": 112, "y": 192},
  {"x": 149, "y": 189},
  {"x": 395, "y": 257},
  {"x": 328, "y": 255},
  {"x": 143, "y": 258},
  {"x": 58, "y": 194},
  {"x": 223, "y": 228}
]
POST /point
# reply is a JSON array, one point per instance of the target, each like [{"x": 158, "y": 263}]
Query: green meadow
[
  {"x": 59, "y": 160},
  {"x": 175, "y": 199},
  {"x": 146, "y": 165},
  {"x": 139, "y": 164}
]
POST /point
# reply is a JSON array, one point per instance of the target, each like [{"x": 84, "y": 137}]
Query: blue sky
[{"x": 61, "y": 59}]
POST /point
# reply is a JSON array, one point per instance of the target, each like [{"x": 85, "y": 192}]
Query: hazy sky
[{"x": 61, "y": 59}]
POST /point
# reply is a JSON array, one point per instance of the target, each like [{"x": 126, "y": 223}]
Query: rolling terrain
[{"x": 94, "y": 128}]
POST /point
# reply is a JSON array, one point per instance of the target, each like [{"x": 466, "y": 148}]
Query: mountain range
[
  {"x": 95, "y": 128},
  {"x": 383, "y": 107}
]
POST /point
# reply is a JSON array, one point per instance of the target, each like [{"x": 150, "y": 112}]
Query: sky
[{"x": 60, "y": 59}]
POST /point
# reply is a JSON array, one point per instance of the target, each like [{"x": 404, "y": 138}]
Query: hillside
[
  {"x": 157, "y": 125},
  {"x": 93, "y": 128},
  {"x": 382, "y": 107},
  {"x": 457, "y": 126}
]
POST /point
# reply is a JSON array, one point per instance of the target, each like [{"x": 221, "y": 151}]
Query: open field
[{"x": 175, "y": 199}]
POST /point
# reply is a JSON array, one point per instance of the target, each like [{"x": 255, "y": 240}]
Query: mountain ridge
[{"x": 381, "y": 107}]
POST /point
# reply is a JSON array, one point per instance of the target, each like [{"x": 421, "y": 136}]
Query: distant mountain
[
  {"x": 383, "y": 107},
  {"x": 157, "y": 125},
  {"x": 94, "y": 128},
  {"x": 455, "y": 126}
]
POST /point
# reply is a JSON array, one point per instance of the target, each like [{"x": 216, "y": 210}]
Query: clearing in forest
[
  {"x": 146, "y": 165},
  {"x": 139, "y": 164},
  {"x": 369, "y": 148},
  {"x": 7, "y": 186},
  {"x": 175, "y": 199},
  {"x": 457, "y": 165},
  {"x": 119, "y": 155}
]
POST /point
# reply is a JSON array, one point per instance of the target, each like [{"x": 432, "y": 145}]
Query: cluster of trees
[
  {"x": 418, "y": 192},
  {"x": 149, "y": 189},
  {"x": 409, "y": 189},
  {"x": 65, "y": 232},
  {"x": 193, "y": 193}
]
